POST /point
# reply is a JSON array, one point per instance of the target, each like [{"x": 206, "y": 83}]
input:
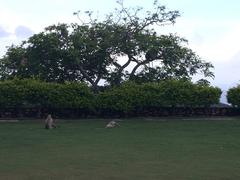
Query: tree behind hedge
[{"x": 91, "y": 51}]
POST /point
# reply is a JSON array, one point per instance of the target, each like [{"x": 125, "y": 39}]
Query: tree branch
[
  {"x": 137, "y": 66},
  {"x": 85, "y": 75}
]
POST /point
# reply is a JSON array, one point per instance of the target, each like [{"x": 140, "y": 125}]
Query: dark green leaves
[{"x": 117, "y": 48}]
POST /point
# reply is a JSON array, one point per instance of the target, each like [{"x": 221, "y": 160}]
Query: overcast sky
[{"x": 212, "y": 27}]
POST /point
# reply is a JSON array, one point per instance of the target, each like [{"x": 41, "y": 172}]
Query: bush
[
  {"x": 206, "y": 95},
  {"x": 34, "y": 93},
  {"x": 233, "y": 96},
  {"x": 122, "y": 98},
  {"x": 127, "y": 98},
  {"x": 172, "y": 93},
  {"x": 11, "y": 94}
]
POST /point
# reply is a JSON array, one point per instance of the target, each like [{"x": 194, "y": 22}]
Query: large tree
[
  {"x": 119, "y": 47},
  {"x": 44, "y": 55}
]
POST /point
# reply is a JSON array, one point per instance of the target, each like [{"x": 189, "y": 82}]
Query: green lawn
[{"x": 138, "y": 150}]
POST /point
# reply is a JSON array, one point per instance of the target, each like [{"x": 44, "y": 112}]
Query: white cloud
[
  {"x": 9, "y": 19},
  {"x": 23, "y": 32},
  {"x": 3, "y": 32},
  {"x": 13, "y": 24},
  {"x": 224, "y": 48},
  {"x": 213, "y": 40}
]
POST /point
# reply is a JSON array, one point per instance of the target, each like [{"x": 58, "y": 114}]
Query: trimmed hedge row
[
  {"x": 130, "y": 96},
  {"x": 125, "y": 99},
  {"x": 33, "y": 93}
]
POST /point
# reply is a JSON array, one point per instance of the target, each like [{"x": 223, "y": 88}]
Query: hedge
[
  {"x": 34, "y": 93},
  {"x": 173, "y": 93},
  {"x": 124, "y": 99}
]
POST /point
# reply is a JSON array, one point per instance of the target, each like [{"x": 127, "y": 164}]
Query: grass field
[{"x": 138, "y": 150}]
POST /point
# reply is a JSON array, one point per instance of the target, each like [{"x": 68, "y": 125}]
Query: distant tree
[
  {"x": 233, "y": 96},
  {"x": 118, "y": 48}
]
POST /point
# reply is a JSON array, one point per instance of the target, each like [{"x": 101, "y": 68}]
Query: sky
[{"x": 212, "y": 27}]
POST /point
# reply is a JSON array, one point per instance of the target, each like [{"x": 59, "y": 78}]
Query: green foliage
[
  {"x": 43, "y": 56},
  {"x": 171, "y": 93},
  {"x": 233, "y": 96},
  {"x": 90, "y": 51},
  {"x": 125, "y": 98},
  {"x": 207, "y": 95},
  {"x": 122, "y": 98},
  {"x": 34, "y": 93},
  {"x": 11, "y": 94}
]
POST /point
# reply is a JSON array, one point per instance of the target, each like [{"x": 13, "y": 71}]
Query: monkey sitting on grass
[
  {"x": 49, "y": 123},
  {"x": 112, "y": 124}
]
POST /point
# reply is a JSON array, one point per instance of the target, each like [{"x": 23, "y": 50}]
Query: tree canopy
[
  {"x": 233, "y": 96},
  {"x": 117, "y": 48}
]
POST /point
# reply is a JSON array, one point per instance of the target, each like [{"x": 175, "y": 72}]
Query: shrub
[
  {"x": 206, "y": 95},
  {"x": 172, "y": 93},
  {"x": 34, "y": 93},
  {"x": 124, "y": 99},
  {"x": 11, "y": 94},
  {"x": 233, "y": 96}
]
